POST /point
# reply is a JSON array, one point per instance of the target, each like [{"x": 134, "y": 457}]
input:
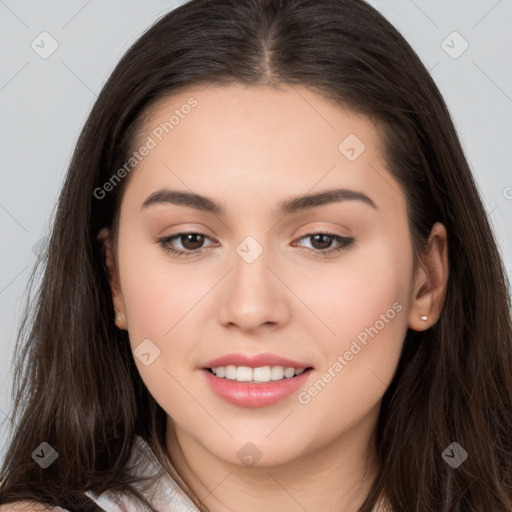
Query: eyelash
[{"x": 344, "y": 242}]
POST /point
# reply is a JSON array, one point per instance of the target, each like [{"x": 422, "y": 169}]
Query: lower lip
[{"x": 249, "y": 394}]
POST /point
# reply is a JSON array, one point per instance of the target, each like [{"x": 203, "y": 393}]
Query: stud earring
[
  {"x": 118, "y": 318},
  {"x": 423, "y": 317}
]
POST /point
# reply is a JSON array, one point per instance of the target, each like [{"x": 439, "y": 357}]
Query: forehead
[
  {"x": 256, "y": 109},
  {"x": 242, "y": 139}
]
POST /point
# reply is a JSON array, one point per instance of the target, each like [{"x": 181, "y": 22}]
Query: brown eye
[
  {"x": 191, "y": 243},
  {"x": 322, "y": 243}
]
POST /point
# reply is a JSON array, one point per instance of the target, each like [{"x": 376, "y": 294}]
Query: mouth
[
  {"x": 257, "y": 387},
  {"x": 255, "y": 380}
]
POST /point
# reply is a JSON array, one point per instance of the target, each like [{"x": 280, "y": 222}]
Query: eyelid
[{"x": 318, "y": 226}]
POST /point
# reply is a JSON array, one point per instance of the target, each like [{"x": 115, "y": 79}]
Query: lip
[
  {"x": 255, "y": 361},
  {"x": 251, "y": 394}
]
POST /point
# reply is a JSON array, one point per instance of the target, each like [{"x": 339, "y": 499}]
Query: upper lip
[{"x": 255, "y": 361}]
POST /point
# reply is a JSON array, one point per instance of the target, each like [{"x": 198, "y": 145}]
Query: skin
[{"x": 249, "y": 149}]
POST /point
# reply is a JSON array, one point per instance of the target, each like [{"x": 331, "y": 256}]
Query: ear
[
  {"x": 430, "y": 281},
  {"x": 117, "y": 296}
]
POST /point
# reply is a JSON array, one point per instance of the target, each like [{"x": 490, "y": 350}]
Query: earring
[
  {"x": 117, "y": 318},
  {"x": 423, "y": 317}
]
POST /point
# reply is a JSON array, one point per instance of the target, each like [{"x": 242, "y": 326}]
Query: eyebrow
[{"x": 287, "y": 207}]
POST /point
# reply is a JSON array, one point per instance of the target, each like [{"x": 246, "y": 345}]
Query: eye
[
  {"x": 191, "y": 243},
  {"x": 322, "y": 242}
]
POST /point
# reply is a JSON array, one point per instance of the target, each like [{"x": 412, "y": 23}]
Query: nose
[{"x": 254, "y": 295}]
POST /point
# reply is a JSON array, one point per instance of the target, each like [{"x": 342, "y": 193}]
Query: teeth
[
  {"x": 260, "y": 374},
  {"x": 277, "y": 373},
  {"x": 243, "y": 374},
  {"x": 230, "y": 372}
]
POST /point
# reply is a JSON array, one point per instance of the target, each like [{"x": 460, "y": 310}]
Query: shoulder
[{"x": 29, "y": 506}]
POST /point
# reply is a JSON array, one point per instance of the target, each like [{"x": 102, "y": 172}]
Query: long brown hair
[{"x": 76, "y": 384}]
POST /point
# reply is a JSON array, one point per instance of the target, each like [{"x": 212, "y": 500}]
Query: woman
[{"x": 183, "y": 327}]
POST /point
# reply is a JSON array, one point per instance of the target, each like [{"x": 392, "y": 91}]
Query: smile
[{"x": 245, "y": 390}]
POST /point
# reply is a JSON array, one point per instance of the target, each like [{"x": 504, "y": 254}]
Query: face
[{"x": 323, "y": 285}]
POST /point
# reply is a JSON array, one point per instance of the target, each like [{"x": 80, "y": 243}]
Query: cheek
[
  {"x": 359, "y": 361},
  {"x": 157, "y": 292},
  {"x": 352, "y": 293}
]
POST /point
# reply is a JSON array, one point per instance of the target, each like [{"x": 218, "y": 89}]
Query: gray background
[{"x": 44, "y": 103}]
